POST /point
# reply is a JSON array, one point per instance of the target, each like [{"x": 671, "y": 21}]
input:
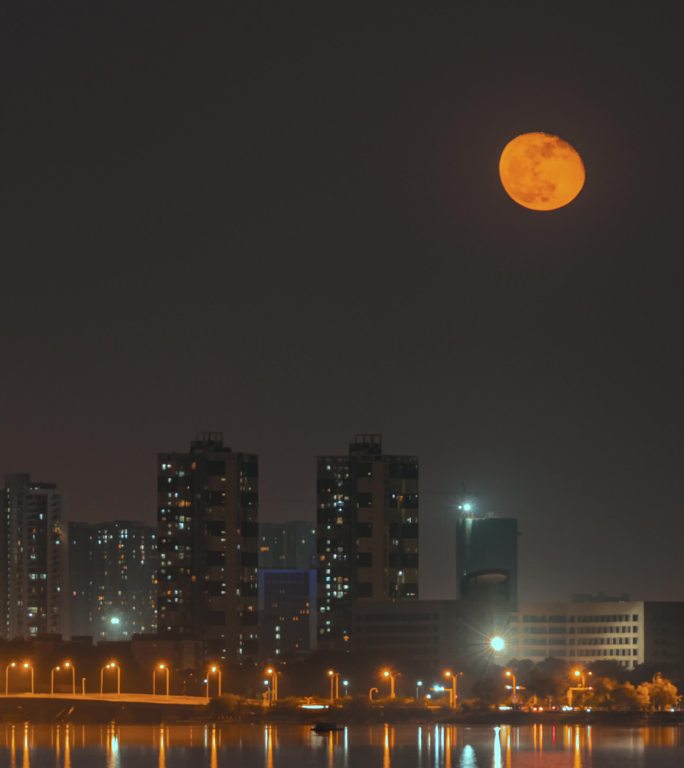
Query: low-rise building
[{"x": 627, "y": 632}]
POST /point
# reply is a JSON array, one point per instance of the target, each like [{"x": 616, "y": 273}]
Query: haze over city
[{"x": 288, "y": 226}]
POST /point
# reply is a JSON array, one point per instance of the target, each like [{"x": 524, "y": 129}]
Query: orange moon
[{"x": 540, "y": 171}]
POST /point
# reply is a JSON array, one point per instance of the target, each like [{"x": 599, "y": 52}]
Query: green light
[{"x": 497, "y": 643}]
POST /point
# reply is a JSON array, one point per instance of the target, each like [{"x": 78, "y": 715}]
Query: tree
[{"x": 663, "y": 693}]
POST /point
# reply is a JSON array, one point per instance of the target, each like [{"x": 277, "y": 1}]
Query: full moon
[{"x": 540, "y": 171}]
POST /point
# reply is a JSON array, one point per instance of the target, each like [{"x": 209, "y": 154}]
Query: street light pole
[
  {"x": 214, "y": 669},
  {"x": 11, "y": 665},
  {"x": 111, "y": 665},
  {"x": 389, "y": 675},
  {"x": 29, "y": 666},
  {"x": 69, "y": 665},
  {"x": 511, "y": 674},
  {"x": 272, "y": 672},
  {"x": 334, "y": 685},
  {"x": 419, "y": 684},
  {"x": 160, "y": 668},
  {"x": 453, "y": 691},
  {"x": 52, "y": 680}
]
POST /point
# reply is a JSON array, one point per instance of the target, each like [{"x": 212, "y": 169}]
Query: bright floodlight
[
  {"x": 497, "y": 643},
  {"x": 115, "y": 620},
  {"x": 467, "y": 507}
]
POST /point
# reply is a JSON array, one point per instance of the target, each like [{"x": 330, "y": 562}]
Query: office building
[
  {"x": 287, "y": 611},
  {"x": 31, "y": 558},
  {"x": 287, "y": 545},
  {"x": 487, "y": 559},
  {"x": 627, "y": 632},
  {"x": 367, "y": 528},
  {"x": 208, "y": 538}
]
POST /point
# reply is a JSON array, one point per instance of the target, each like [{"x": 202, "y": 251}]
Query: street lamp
[
  {"x": 453, "y": 691},
  {"x": 52, "y": 680},
  {"x": 14, "y": 665},
  {"x": 11, "y": 665},
  {"x": 160, "y": 668},
  {"x": 273, "y": 674},
  {"x": 370, "y": 694},
  {"x": 214, "y": 669},
  {"x": 345, "y": 686},
  {"x": 111, "y": 665},
  {"x": 334, "y": 685},
  {"x": 65, "y": 665},
  {"x": 388, "y": 674},
  {"x": 511, "y": 674},
  {"x": 581, "y": 674},
  {"x": 29, "y": 666},
  {"x": 419, "y": 685}
]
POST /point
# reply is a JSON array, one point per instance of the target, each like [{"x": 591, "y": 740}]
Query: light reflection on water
[{"x": 380, "y": 746}]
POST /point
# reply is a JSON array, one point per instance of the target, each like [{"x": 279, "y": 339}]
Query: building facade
[
  {"x": 287, "y": 545},
  {"x": 487, "y": 559},
  {"x": 367, "y": 528},
  {"x": 80, "y": 579},
  {"x": 287, "y": 611},
  {"x": 629, "y": 633},
  {"x": 112, "y": 579},
  {"x": 207, "y": 526},
  {"x": 31, "y": 558}
]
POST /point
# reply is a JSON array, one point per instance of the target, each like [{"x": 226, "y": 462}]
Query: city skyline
[{"x": 289, "y": 226}]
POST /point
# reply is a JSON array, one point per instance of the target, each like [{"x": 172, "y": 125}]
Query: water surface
[{"x": 293, "y": 746}]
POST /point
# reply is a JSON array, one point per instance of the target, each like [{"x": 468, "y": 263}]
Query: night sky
[{"x": 284, "y": 222}]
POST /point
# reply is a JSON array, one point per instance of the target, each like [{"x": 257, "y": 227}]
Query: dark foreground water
[{"x": 290, "y": 746}]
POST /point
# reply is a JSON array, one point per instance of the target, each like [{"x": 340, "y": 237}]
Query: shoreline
[{"x": 39, "y": 711}]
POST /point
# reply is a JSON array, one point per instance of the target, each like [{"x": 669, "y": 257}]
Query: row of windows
[{"x": 560, "y": 619}]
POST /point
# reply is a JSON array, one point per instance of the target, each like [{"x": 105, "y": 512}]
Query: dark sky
[{"x": 284, "y": 221}]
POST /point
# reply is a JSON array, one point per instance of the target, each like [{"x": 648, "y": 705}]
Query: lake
[{"x": 358, "y": 746}]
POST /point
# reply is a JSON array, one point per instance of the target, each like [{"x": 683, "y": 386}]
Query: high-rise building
[
  {"x": 287, "y": 611},
  {"x": 80, "y": 579},
  {"x": 208, "y": 537},
  {"x": 487, "y": 558},
  {"x": 112, "y": 579},
  {"x": 31, "y": 558},
  {"x": 367, "y": 528},
  {"x": 287, "y": 545}
]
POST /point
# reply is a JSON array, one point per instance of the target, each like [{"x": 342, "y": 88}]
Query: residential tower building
[
  {"x": 367, "y": 528},
  {"x": 208, "y": 535}
]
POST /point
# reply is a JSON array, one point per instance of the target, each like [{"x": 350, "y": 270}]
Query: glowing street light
[
  {"x": 214, "y": 669},
  {"x": 334, "y": 685},
  {"x": 111, "y": 665},
  {"x": 581, "y": 674},
  {"x": 453, "y": 691},
  {"x": 388, "y": 674},
  {"x": 511, "y": 674},
  {"x": 419, "y": 685},
  {"x": 161, "y": 667},
  {"x": 497, "y": 644},
  {"x": 273, "y": 674},
  {"x": 15, "y": 665},
  {"x": 11, "y": 665},
  {"x": 66, "y": 665}
]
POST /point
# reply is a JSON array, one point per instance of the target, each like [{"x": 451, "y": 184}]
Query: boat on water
[{"x": 324, "y": 727}]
